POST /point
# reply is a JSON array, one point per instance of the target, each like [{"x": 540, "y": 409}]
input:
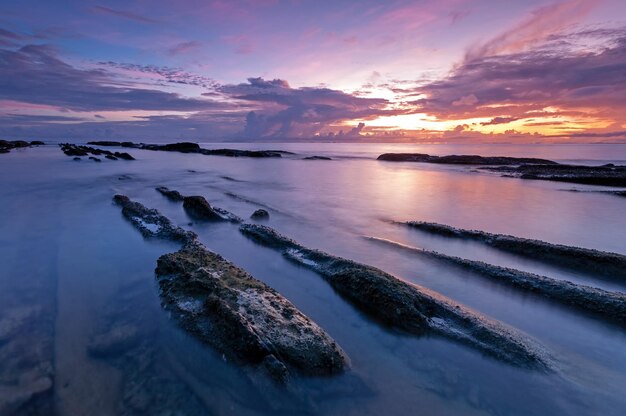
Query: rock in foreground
[
  {"x": 585, "y": 259},
  {"x": 463, "y": 159},
  {"x": 404, "y": 306},
  {"x": 226, "y": 308}
]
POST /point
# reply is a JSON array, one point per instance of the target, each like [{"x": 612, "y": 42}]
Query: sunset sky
[{"x": 447, "y": 70}]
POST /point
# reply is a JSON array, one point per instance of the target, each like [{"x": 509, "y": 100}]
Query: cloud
[
  {"x": 499, "y": 120},
  {"x": 557, "y": 75},
  {"x": 184, "y": 47},
  {"x": 8, "y": 38},
  {"x": 283, "y": 111},
  {"x": 34, "y": 74},
  {"x": 543, "y": 22},
  {"x": 123, "y": 14},
  {"x": 170, "y": 75}
]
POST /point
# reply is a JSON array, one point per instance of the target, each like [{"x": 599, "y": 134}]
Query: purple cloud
[
  {"x": 123, "y": 14},
  {"x": 34, "y": 74},
  {"x": 559, "y": 74},
  {"x": 299, "y": 112}
]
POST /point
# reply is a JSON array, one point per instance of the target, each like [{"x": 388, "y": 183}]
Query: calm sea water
[{"x": 66, "y": 247}]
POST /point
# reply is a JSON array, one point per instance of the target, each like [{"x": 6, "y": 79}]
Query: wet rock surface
[
  {"x": 260, "y": 214},
  {"x": 198, "y": 207},
  {"x": 188, "y": 147},
  {"x": 78, "y": 150},
  {"x": 7, "y": 145},
  {"x": 410, "y": 308},
  {"x": 610, "y": 305},
  {"x": 462, "y": 159},
  {"x": 606, "y": 175},
  {"x": 170, "y": 194},
  {"x": 150, "y": 222},
  {"x": 585, "y": 259},
  {"x": 225, "y": 307}
]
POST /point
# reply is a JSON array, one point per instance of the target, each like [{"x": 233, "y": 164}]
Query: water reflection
[{"x": 66, "y": 248}]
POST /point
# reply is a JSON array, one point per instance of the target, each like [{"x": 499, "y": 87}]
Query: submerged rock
[
  {"x": 606, "y": 175},
  {"x": 611, "y": 305},
  {"x": 405, "y": 306},
  {"x": 125, "y": 337},
  {"x": 463, "y": 159},
  {"x": 95, "y": 159},
  {"x": 596, "y": 261},
  {"x": 260, "y": 214},
  {"x": 226, "y": 308}
]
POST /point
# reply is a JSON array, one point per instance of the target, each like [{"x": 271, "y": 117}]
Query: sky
[{"x": 510, "y": 71}]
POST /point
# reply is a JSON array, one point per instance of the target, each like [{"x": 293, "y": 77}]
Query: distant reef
[
  {"x": 525, "y": 168},
  {"x": 463, "y": 159},
  {"x": 188, "y": 147},
  {"x": 7, "y": 145}
]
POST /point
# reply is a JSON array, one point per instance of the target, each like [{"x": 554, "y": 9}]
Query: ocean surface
[{"x": 68, "y": 256}]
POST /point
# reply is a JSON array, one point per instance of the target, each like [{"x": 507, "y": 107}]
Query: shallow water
[{"x": 61, "y": 234}]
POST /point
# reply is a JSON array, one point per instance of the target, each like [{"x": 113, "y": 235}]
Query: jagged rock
[
  {"x": 123, "y": 155},
  {"x": 260, "y": 214},
  {"x": 225, "y": 307},
  {"x": 77, "y": 150},
  {"x": 37, "y": 143},
  {"x": 463, "y": 159},
  {"x": 610, "y": 305},
  {"x": 170, "y": 194},
  {"x": 199, "y": 208},
  {"x": 150, "y": 222},
  {"x": 407, "y": 307},
  {"x": 596, "y": 261},
  {"x": 7, "y": 145}
]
